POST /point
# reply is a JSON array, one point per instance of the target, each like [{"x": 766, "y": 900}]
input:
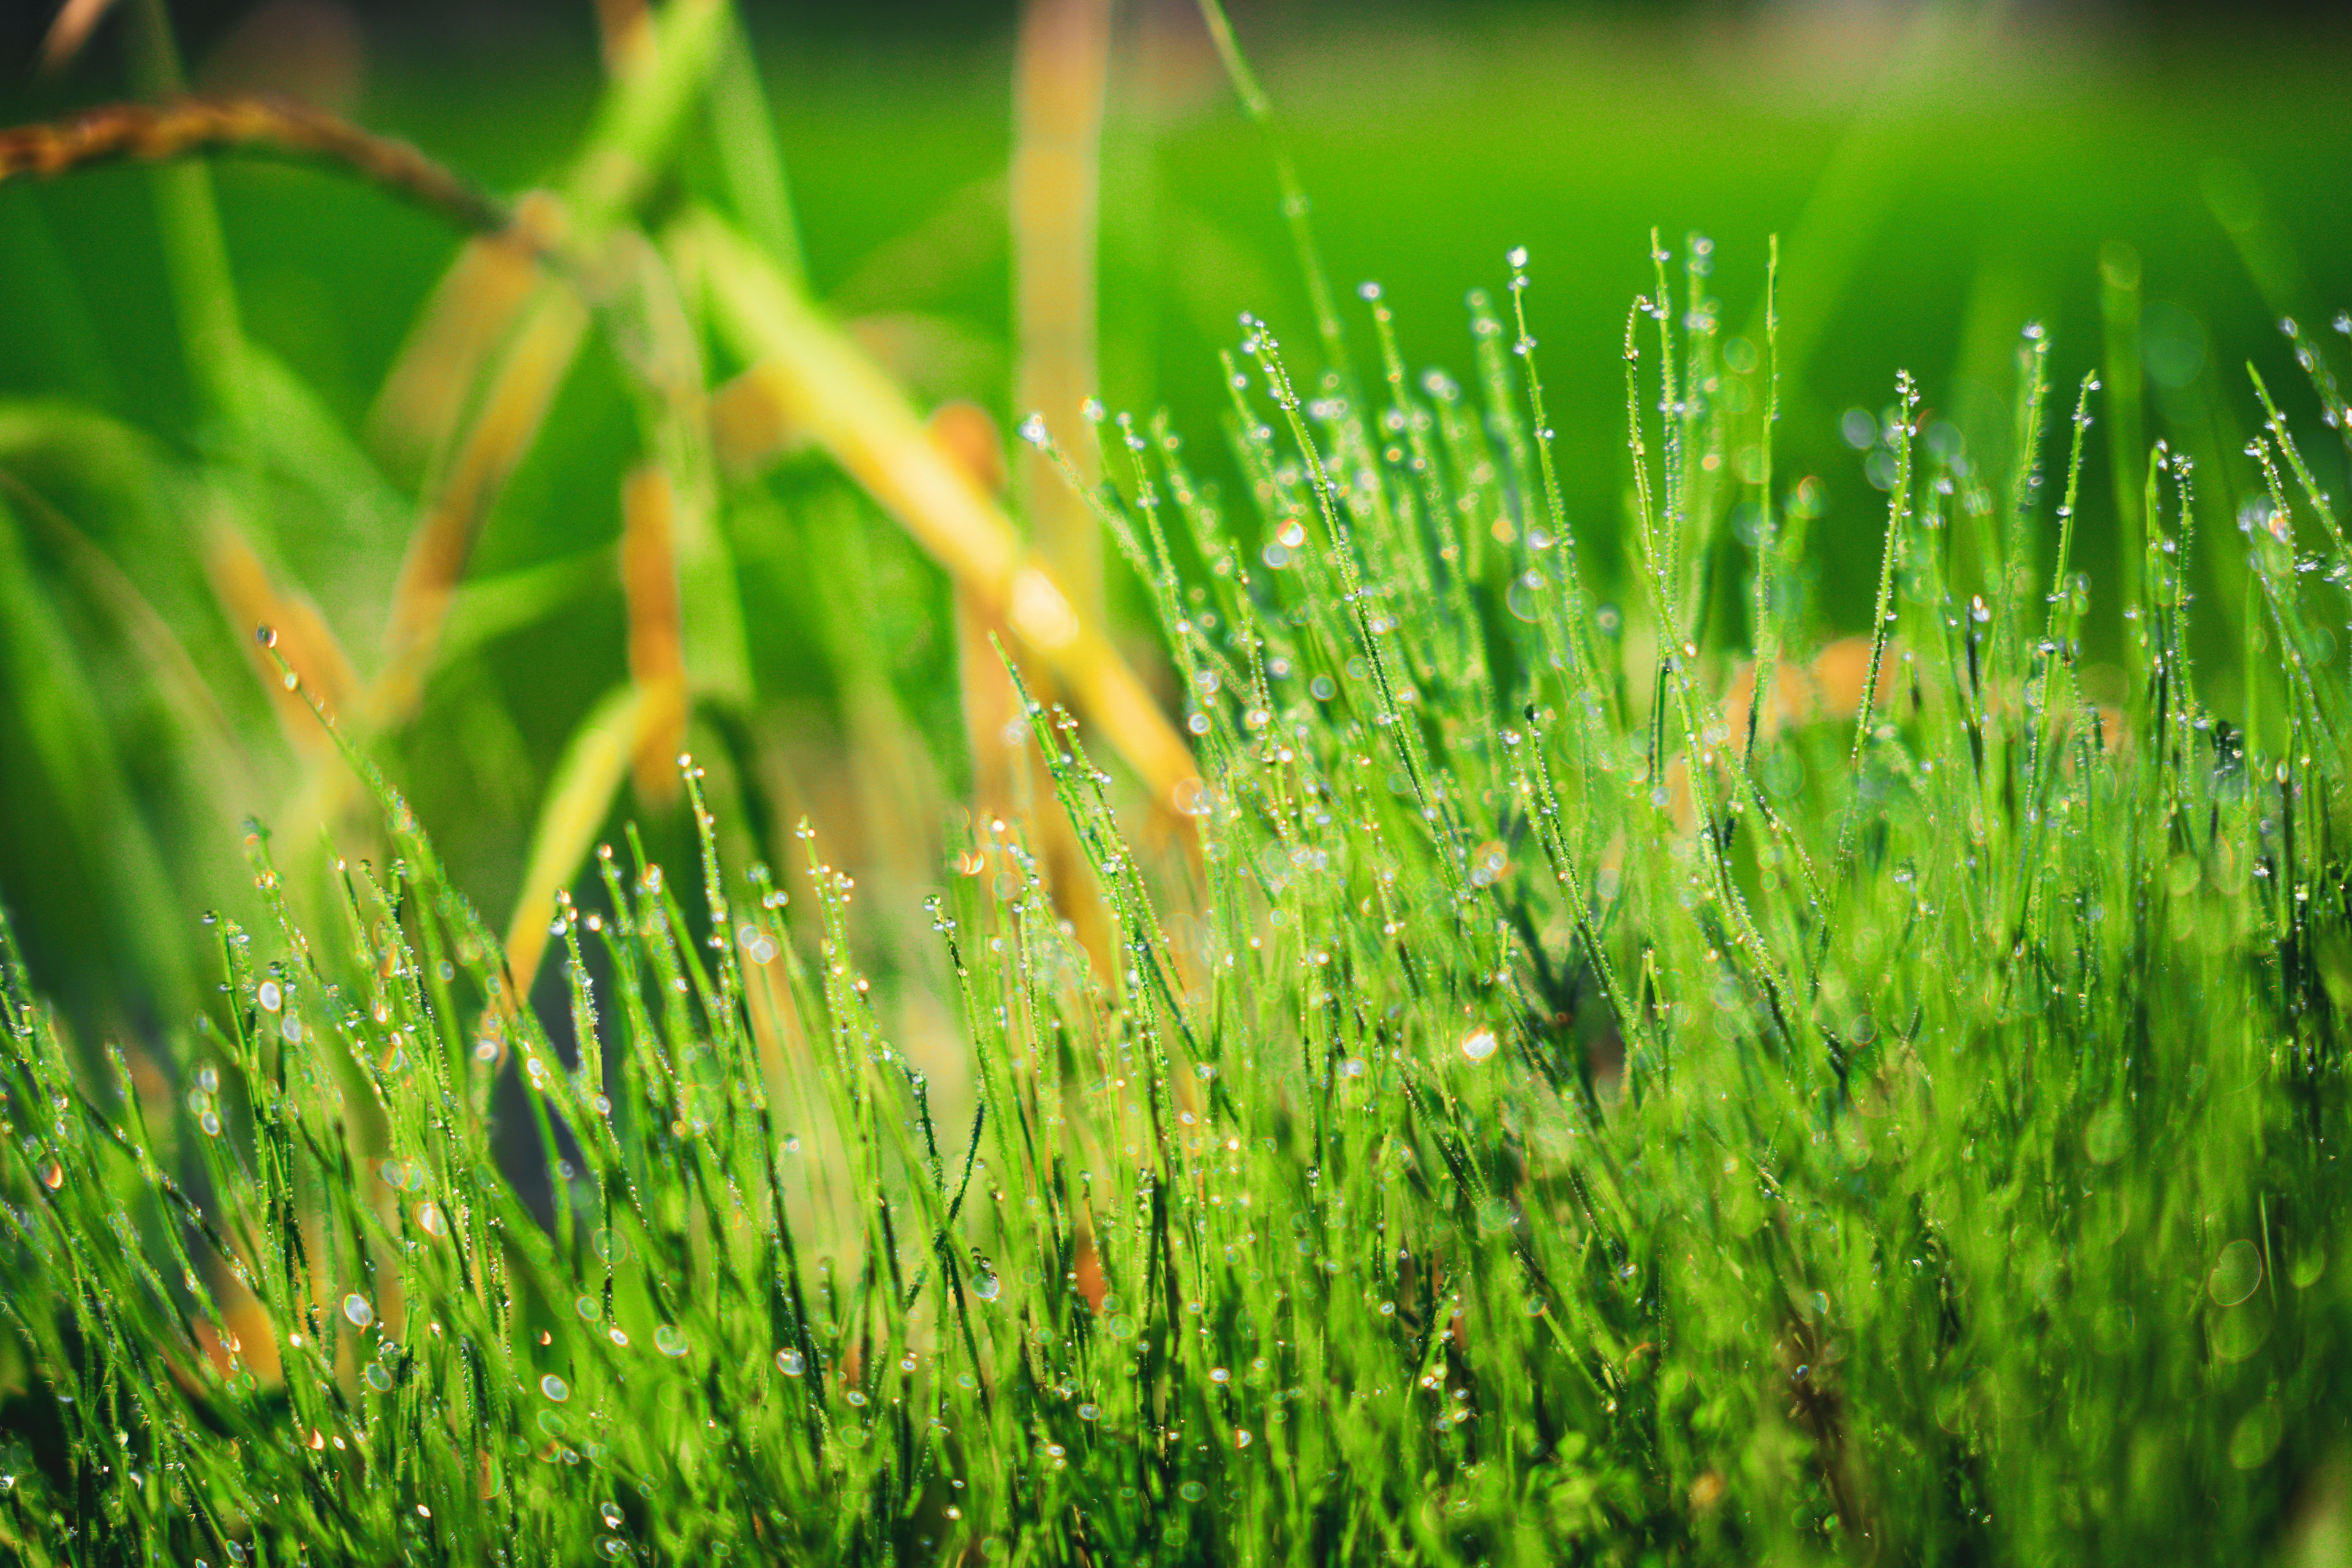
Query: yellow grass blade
[
  {"x": 251, "y": 601},
  {"x": 471, "y": 310},
  {"x": 749, "y": 429},
  {"x": 579, "y": 795},
  {"x": 656, "y": 647},
  {"x": 512, "y": 412},
  {"x": 825, "y": 384}
]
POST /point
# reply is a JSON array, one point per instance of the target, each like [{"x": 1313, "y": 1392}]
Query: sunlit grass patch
[{"x": 1528, "y": 1111}]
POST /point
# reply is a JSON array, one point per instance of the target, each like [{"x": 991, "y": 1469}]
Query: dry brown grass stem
[
  {"x": 656, "y": 636},
  {"x": 154, "y": 133}
]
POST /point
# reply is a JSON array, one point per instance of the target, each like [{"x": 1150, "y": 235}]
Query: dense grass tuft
[{"x": 1539, "y": 1105}]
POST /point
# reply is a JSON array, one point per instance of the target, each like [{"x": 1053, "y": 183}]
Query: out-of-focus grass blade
[
  {"x": 579, "y": 796},
  {"x": 993, "y": 723},
  {"x": 2236, "y": 201},
  {"x": 470, "y": 309},
  {"x": 196, "y": 253},
  {"x": 649, "y": 322},
  {"x": 311, "y": 492},
  {"x": 1827, "y": 242},
  {"x": 656, "y": 651},
  {"x": 525, "y": 383},
  {"x": 75, "y": 21},
  {"x": 118, "y": 466},
  {"x": 639, "y": 120},
  {"x": 626, "y": 31},
  {"x": 931, "y": 356},
  {"x": 860, "y": 416},
  {"x": 496, "y": 284},
  {"x": 751, "y": 162},
  {"x": 749, "y": 424},
  {"x": 62, "y": 463},
  {"x": 1060, "y": 70},
  {"x": 73, "y": 747},
  {"x": 177, "y": 680},
  {"x": 2119, "y": 303},
  {"x": 487, "y": 608},
  {"x": 41, "y": 276},
  {"x": 251, "y": 602}
]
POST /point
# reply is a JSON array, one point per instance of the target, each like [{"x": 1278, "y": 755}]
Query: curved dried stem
[{"x": 178, "y": 127}]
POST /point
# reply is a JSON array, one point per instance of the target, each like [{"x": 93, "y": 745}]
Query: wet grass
[
  {"x": 1529, "y": 1112},
  {"x": 1529, "y": 1099}
]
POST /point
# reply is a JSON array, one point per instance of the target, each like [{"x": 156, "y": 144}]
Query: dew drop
[
  {"x": 2237, "y": 1272},
  {"x": 555, "y": 1388},
  {"x": 1478, "y": 1044},
  {"x": 356, "y": 1308}
]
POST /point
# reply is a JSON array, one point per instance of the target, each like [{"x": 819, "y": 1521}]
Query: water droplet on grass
[
  {"x": 555, "y": 1388},
  {"x": 2236, "y": 1273},
  {"x": 791, "y": 1362},
  {"x": 1478, "y": 1044},
  {"x": 356, "y": 1308}
]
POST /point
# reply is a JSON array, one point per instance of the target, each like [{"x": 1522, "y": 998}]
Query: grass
[{"x": 1548, "y": 1091}]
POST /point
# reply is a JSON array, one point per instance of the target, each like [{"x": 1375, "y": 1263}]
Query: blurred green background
[{"x": 1938, "y": 177}]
